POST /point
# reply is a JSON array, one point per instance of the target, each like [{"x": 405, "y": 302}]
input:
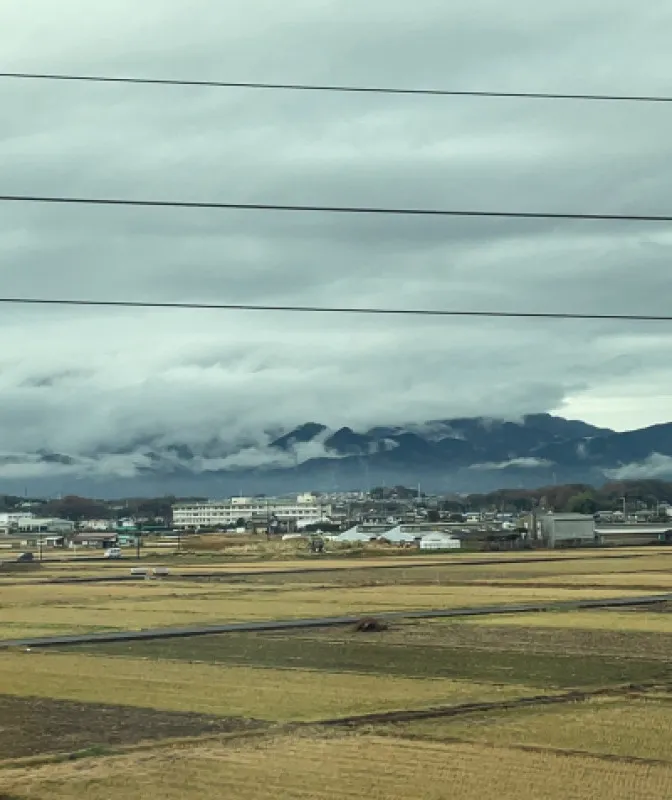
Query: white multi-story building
[
  {"x": 13, "y": 517},
  {"x": 306, "y": 508}
]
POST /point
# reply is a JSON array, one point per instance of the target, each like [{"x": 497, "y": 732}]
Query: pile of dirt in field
[
  {"x": 371, "y": 625},
  {"x": 34, "y": 726}
]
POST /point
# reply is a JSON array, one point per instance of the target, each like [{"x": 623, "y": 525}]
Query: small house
[{"x": 100, "y": 541}]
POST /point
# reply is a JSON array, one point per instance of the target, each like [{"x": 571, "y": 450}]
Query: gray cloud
[
  {"x": 82, "y": 380},
  {"x": 656, "y": 466},
  {"x": 518, "y": 463}
]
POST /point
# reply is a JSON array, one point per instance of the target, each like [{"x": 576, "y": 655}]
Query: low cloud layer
[
  {"x": 515, "y": 463},
  {"x": 89, "y": 381},
  {"x": 656, "y": 466}
]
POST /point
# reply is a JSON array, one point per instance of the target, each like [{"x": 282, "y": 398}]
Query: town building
[
  {"x": 31, "y": 524},
  {"x": 398, "y": 535},
  {"x": 8, "y": 518},
  {"x": 101, "y": 541},
  {"x": 31, "y": 531},
  {"x": 97, "y": 525},
  {"x": 303, "y": 510},
  {"x": 440, "y": 541},
  {"x": 359, "y": 534},
  {"x": 563, "y": 530}
]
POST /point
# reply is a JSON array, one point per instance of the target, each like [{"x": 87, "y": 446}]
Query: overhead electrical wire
[
  {"x": 427, "y": 212},
  {"x": 345, "y": 89},
  {"x": 417, "y": 212},
  {"x": 307, "y": 309}
]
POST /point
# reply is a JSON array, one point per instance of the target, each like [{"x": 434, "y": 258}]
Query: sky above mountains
[{"x": 78, "y": 380}]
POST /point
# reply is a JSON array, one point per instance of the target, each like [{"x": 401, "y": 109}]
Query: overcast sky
[{"x": 76, "y": 379}]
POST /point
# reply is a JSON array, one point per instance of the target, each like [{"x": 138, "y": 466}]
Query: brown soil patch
[{"x": 36, "y": 726}]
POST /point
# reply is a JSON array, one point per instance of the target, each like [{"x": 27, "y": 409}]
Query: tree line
[{"x": 572, "y": 497}]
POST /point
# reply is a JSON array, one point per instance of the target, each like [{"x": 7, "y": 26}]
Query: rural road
[{"x": 326, "y": 622}]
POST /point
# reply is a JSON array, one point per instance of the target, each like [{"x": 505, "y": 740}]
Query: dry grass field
[
  {"x": 660, "y": 580},
  {"x": 632, "y": 728},
  {"x": 34, "y": 610},
  {"x": 232, "y": 691},
  {"x": 556, "y": 562},
  {"x": 333, "y": 767},
  {"x": 247, "y": 715},
  {"x": 641, "y": 621}
]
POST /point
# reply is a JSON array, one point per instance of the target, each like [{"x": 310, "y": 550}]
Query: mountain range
[
  {"x": 453, "y": 455},
  {"x": 478, "y": 454}
]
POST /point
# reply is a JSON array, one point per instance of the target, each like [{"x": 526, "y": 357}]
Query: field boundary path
[
  {"x": 437, "y": 712},
  {"x": 329, "y": 622}
]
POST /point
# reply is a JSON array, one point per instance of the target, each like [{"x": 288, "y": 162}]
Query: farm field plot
[
  {"x": 385, "y": 556},
  {"x": 173, "y": 717},
  {"x": 396, "y": 559},
  {"x": 27, "y": 610},
  {"x": 632, "y": 728},
  {"x": 478, "y": 565},
  {"x": 333, "y": 767},
  {"x": 495, "y": 658},
  {"x": 37, "y": 726},
  {"x": 570, "y": 639},
  {"x": 641, "y": 621},
  {"x": 232, "y": 691},
  {"x": 658, "y": 580},
  {"x": 389, "y": 569}
]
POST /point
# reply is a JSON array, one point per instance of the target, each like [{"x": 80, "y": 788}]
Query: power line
[
  {"x": 295, "y": 309},
  {"x": 310, "y": 87},
  {"x": 417, "y": 212}
]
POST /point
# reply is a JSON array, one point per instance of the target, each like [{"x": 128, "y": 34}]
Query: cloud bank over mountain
[{"x": 455, "y": 455}]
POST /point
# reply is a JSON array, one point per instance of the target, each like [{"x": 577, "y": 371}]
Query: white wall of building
[
  {"x": 97, "y": 525},
  {"x": 227, "y": 512},
  {"x": 9, "y": 517},
  {"x": 440, "y": 541}
]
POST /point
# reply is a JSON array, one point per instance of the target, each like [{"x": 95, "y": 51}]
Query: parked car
[
  {"x": 113, "y": 552},
  {"x": 25, "y": 557}
]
